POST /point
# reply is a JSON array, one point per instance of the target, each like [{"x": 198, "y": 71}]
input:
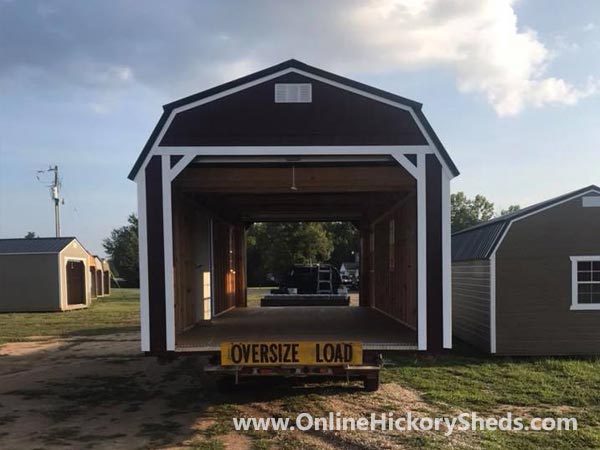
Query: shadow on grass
[{"x": 101, "y": 331}]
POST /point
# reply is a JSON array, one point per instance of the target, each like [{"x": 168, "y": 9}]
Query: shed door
[
  {"x": 75, "y": 283},
  {"x": 99, "y": 290},
  {"x": 93, "y": 279},
  {"x": 106, "y": 283}
]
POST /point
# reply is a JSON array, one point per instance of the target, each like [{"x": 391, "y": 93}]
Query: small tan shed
[{"x": 43, "y": 274}]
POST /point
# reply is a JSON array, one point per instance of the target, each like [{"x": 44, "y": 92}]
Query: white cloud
[
  {"x": 179, "y": 50},
  {"x": 591, "y": 26},
  {"x": 478, "y": 39}
]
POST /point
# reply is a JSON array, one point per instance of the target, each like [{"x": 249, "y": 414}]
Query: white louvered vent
[{"x": 293, "y": 93}]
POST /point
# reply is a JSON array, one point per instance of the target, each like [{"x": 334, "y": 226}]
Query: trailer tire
[{"x": 371, "y": 383}]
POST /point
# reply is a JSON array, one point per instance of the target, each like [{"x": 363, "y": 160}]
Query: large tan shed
[
  {"x": 43, "y": 274},
  {"x": 528, "y": 283}
]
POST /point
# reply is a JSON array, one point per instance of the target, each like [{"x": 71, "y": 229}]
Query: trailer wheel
[{"x": 371, "y": 382}]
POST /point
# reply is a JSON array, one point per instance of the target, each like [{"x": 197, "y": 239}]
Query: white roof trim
[
  {"x": 551, "y": 205},
  {"x": 175, "y": 111}
]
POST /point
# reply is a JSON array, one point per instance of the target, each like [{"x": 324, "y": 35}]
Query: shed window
[{"x": 585, "y": 275}]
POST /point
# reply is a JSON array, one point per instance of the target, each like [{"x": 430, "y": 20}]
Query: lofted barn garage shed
[{"x": 293, "y": 143}]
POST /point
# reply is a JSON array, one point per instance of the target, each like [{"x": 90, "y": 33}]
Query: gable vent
[{"x": 293, "y": 93}]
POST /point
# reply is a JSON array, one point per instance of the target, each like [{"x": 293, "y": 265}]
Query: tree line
[{"x": 274, "y": 247}]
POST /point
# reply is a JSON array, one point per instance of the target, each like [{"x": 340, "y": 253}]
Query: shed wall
[
  {"x": 18, "y": 293},
  {"x": 533, "y": 283},
  {"x": 394, "y": 260},
  {"x": 471, "y": 302}
]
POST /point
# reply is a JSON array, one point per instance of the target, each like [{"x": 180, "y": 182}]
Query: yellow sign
[{"x": 291, "y": 353}]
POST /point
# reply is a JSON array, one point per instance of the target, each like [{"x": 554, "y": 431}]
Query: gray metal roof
[
  {"x": 36, "y": 245},
  {"x": 480, "y": 241}
]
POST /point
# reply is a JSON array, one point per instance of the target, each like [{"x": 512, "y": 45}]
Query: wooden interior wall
[
  {"x": 183, "y": 263},
  {"x": 224, "y": 268},
  {"x": 240, "y": 265},
  {"x": 394, "y": 264},
  {"x": 366, "y": 266}
]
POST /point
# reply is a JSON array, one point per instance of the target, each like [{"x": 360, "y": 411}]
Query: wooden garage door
[
  {"x": 99, "y": 290},
  {"x": 75, "y": 282},
  {"x": 93, "y": 280},
  {"x": 106, "y": 288}
]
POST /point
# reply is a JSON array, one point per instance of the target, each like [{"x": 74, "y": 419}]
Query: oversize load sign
[{"x": 290, "y": 353}]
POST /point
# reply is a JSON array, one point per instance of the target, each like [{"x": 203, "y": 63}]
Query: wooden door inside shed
[{"x": 75, "y": 283}]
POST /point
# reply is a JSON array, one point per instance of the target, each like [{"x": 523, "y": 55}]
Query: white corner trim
[
  {"x": 575, "y": 305},
  {"x": 143, "y": 252},
  {"x": 446, "y": 264},
  {"x": 168, "y": 254},
  {"x": 421, "y": 253},
  {"x": 61, "y": 303},
  {"x": 493, "y": 303}
]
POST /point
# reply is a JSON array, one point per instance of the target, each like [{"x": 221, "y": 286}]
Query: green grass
[
  {"x": 116, "y": 313},
  {"x": 461, "y": 382},
  {"x": 536, "y": 387},
  {"x": 256, "y": 293}
]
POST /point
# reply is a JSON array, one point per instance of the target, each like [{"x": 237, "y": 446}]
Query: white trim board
[
  {"x": 446, "y": 264},
  {"x": 143, "y": 252},
  {"x": 156, "y": 144},
  {"x": 493, "y": 303},
  {"x": 168, "y": 252},
  {"x": 421, "y": 253}
]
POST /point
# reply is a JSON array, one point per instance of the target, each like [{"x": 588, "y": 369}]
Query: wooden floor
[{"x": 375, "y": 330}]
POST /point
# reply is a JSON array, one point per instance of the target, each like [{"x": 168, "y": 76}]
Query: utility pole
[
  {"x": 54, "y": 194},
  {"x": 56, "y": 199}
]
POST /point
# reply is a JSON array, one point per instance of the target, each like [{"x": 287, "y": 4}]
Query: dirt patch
[
  {"x": 101, "y": 392},
  {"x": 28, "y": 348}
]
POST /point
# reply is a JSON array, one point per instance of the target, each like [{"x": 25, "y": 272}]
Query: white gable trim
[{"x": 430, "y": 144}]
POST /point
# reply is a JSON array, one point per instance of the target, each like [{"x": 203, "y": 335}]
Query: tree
[
  {"x": 275, "y": 247},
  {"x": 346, "y": 241},
  {"x": 467, "y": 212},
  {"x": 31, "y": 235},
  {"x": 122, "y": 248},
  {"x": 510, "y": 209}
]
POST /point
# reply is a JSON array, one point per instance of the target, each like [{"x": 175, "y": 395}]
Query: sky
[{"x": 512, "y": 88}]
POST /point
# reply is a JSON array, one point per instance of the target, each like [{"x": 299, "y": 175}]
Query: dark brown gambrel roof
[
  {"x": 292, "y": 63},
  {"x": 480, "y": 241},
  {"x": 36, "y": 245}
]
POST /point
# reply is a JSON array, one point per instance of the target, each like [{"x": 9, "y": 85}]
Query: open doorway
[
  {"x": 303, "y": 264},
  {"x": 221, "y": 208},
  {"x": 75, "y": 273}
]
